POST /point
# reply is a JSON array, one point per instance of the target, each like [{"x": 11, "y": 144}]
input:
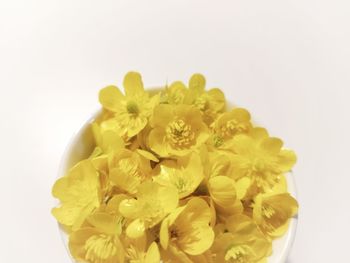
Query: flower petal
[
  {"x": 272, "y": 145},
  {"x": 197, "y": 83},
  {"x": 133, "y": 84},
  {"x": 164, "y": 114},
  {"x": 240, "y": 115},
  {"x": 110, "y": 98},
  {"x": 217, "y": 100},
  {"x": 124, "y": 181},
  {"x": 77, "y": 242},
  {"x": 222, "y": 190},
  {"x": 152, "y": 255},
  {"x": 156, "y": 141},
  {"x": 259, "y": 133},
  {"x": 194, "y": 221},
  {"x": 114, "y": 203},
  {"x": 164, "y": 233},
  {"x": 111, "y": 141},
  {"x": 136, "y": 229},
  {"x": 79, "y": 193},
  {"x": 287, "y": 160},
  {"x": 103, "y": 221},
  {"x": 242, "y": 186},
  {"x": 129, "y": 208},
  {"x": 148, "y": 155}
]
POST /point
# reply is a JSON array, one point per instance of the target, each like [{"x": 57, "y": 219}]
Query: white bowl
[{"x": 80, "y": 147}]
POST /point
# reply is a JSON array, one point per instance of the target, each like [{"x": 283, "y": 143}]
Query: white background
[{"x": 286, "y": 61}]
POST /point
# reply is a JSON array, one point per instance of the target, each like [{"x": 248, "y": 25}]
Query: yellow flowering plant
[{"x": 175, "y": 176}]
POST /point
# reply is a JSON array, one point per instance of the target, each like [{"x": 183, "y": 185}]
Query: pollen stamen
[
  {"x": 180, "y": 134},
  {"x": 132, "y": 108}
]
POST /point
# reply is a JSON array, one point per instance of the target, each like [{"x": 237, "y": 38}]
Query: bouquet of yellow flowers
[{"x": 175, "y": 176}]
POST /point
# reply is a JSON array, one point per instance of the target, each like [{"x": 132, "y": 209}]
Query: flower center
[
  {"x": 218, "y": 140},
  {"x": 232, "y": 127},
  {"x": 236, "y": 254},
  {"x": 201, "y": 103},
  {"x": 99, "y": 248},
  {"x": 174, "y": 233},
  {"x": 179, "y": 133},
  {"x": 258, "y": 165},
  {"x": 132, "y": 108},
  {"x": 176, "y": 96},
  {"x": 268, "y": 211},
  {"x": 181, "y": 185}
]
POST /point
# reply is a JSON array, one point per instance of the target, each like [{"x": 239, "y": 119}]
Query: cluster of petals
[{"x": 175, "y": 175}]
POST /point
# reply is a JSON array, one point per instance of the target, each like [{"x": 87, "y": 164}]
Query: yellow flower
[
  {"x": 148, "y": 155},
  {"x": 176, "y": 93},
  {"x": 229, "y": 124},
  {"x": 219, "y": 186},
  {"x": 185, "y": 174},
  {"x": 273, "y": 211},
  {"x": 223, "y": 193},
  {"x": 79, "y": 193},
  {"x": 153, "y": 202},
  {"x": 174, "y": 177},
  {"x": 215, "y": 163},
  {"x": 133, "y": 110},
  {"x": 127, "y": 170},
  {"x": 143, "y": 138},
  {"x": 240, "y": 241},
  {"x": 120, "y": 171},
  {"x": 108, "y": 135},
  {"x": 112, "y": 207},
  {"x": 138, "y": 251},
  {"x": 98, "y": 241},
  {"x": 187, "y": 229},
  {"x": 100, "y": 162},
  {"x": 260, "y": 157},
  {"x": 177, "y": 130},
  {"x": 210, "y": 103}
]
